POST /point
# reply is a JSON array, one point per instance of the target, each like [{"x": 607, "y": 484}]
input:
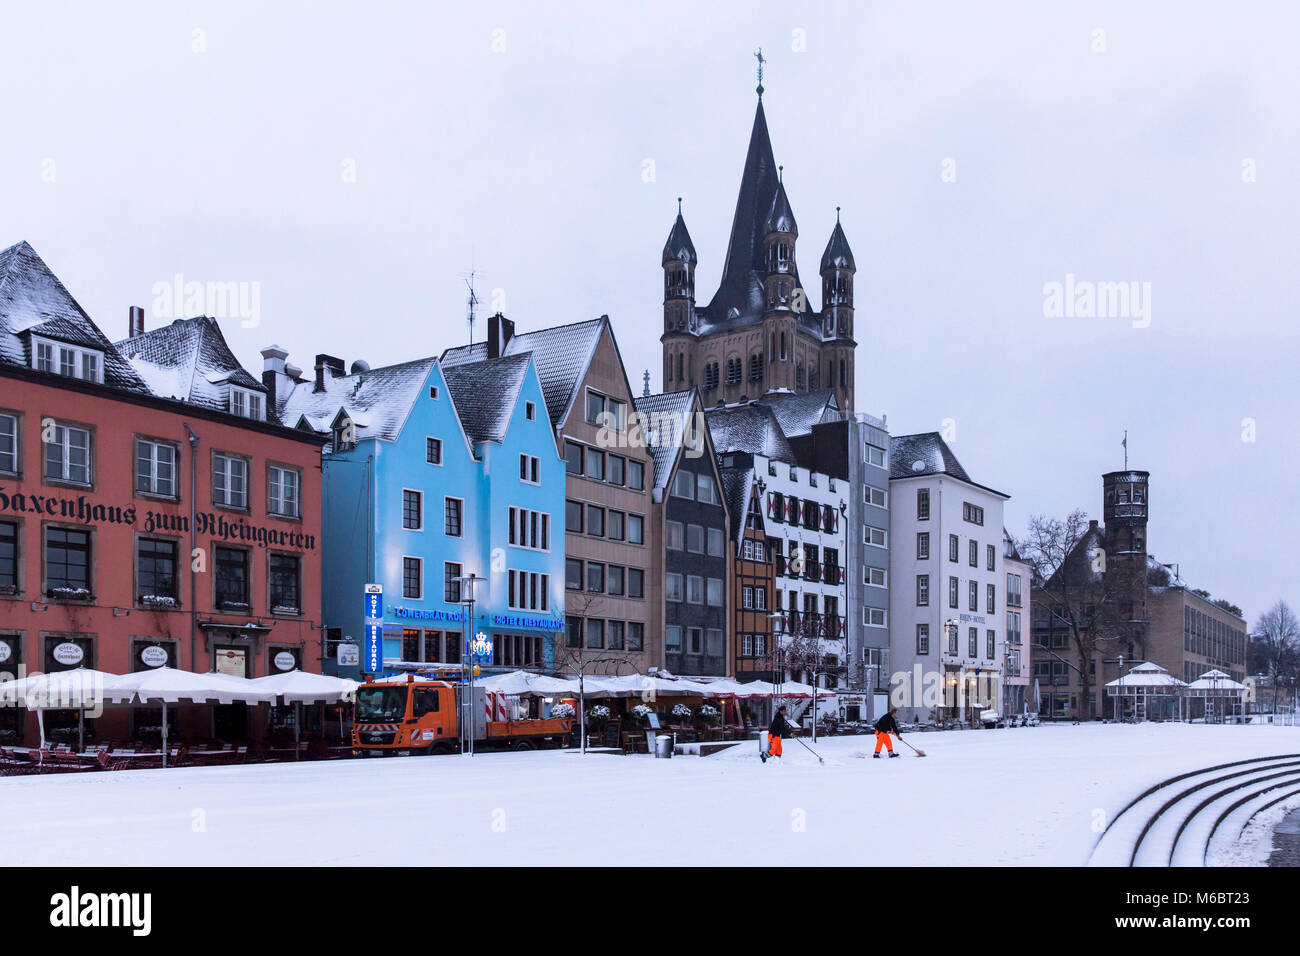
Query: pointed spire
[
  {"x": 679, "y": 245},
  {"x": 838, "y": 255},
  {"x": 780, "y": 217}
]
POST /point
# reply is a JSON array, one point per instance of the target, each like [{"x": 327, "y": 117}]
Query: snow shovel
[
  {"x": 811, "y": 751},
  {"x": 919, "y": 753}
]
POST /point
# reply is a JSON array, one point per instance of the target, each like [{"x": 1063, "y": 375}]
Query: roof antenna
[
  {"x": 645, "y": 387},
  {"x": 1125, "y": 444},
  {"x": 472, "y": 300},
  {"x": 758, "y": 54}
]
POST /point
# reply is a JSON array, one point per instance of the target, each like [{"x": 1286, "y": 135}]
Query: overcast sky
[{"x": 353, "y": 160}]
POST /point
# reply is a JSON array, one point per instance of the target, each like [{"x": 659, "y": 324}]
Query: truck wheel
[
  {"x": 437, "y": 750},
  {"x": 524, "y": 745}
]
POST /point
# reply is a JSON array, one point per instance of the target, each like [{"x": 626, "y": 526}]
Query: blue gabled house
[{"x": 433, "y": 474}]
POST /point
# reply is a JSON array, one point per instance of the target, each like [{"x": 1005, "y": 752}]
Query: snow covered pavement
[{"x": 1014, "y": 796}]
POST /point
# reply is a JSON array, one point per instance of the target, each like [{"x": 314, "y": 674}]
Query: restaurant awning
[
  {"x": 72, "y": 689},
  {"x": 169, "y": 685},
  {"x": 299, "y": 687}
]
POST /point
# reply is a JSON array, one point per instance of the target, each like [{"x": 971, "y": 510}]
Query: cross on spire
[{"x": 758, "y": 55}]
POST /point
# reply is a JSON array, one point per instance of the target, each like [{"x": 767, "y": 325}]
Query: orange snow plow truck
[{"x": 424, "y": 716}]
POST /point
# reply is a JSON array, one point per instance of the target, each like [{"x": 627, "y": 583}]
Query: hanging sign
[
  {"x": 68, "y": 653},
  {"x": 154, "y": 656},
  {"x": 285, "y": 661}
]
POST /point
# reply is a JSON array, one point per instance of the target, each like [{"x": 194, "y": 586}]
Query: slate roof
[
  {"x": 485, "y": 394},
  {"x": 837, "y": 251},
  {"x": 679, "y": 245},
  {"x": 377, "y": 400},
  {"x": 780, "y": 217},
  {"x": 737, "y": 485},
  {"x": 189, "y": 360},
  {"x": 34, "y": 301},
  {"x": 666, "y": 418},
  {"x": 927, "y": 454},
  {"x": 798, "y": 412},
  {"x": 752, "y": 427},
  {"x": 561, "y": 355}
]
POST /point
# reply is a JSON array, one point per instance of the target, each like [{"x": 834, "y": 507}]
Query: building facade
[
  {"x": 759, "y": 331},
  {"x": 1017, "y": 668},
  {"x": 753, "y": 578},
  {"x": 947, "y": 575},
  {"x": 146, "y": 517}
]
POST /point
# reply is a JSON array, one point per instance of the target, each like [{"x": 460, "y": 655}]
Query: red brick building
[{"x": 152, "y": 510}]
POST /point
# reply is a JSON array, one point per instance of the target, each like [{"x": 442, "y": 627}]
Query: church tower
[
  {"x": 679, "y": 261},
  {"x": 837, "y": 271},
  {"x": 1124, "y": 512}
]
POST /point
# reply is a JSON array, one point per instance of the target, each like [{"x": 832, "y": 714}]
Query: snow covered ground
[{"x": 1012, "y": 796}]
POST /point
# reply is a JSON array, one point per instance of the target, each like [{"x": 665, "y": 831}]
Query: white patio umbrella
[
  {"x": 167, "y": 685},
  {"x": 298, "y": 687},
  {"x": 78, "y": 689}
]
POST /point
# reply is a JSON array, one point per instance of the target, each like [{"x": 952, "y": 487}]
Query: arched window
[{"x": 679, "y": 366}]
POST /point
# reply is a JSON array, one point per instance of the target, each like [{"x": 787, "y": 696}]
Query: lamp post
[{"x": 467, "y": 583}]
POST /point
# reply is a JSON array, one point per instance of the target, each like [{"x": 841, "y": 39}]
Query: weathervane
[{"x": 758, "y": 55}]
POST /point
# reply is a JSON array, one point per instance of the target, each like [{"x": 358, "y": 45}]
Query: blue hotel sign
[{"x": 374, "y": 615}]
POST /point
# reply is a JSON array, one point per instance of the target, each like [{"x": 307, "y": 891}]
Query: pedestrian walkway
[{"x": 1286, "y": 841}]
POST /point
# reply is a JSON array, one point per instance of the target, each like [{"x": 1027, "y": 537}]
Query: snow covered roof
[
  {"x": 926, "y": 453},
  {"x": 667, "y": 417},
  {"x": 752, "y": 428},
  {"x": 377, "y": 400},
  {"x": 189, "y": 360},
  {"x": 798, "y": 412},
  {"x": 485, "y": 394},
  {"x": 1147, "y": 674},
  {"x": 561, "y": 354},
  {"x": 737, "y": 486},
  {"x": 34, "y": 302}
]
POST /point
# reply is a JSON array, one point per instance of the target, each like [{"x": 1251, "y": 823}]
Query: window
[
  {"x": 973, "y": 641},
  {"x": 573, "y": 512},
  {"x": 67, "y": 360},
  {"x": 684, "y": 485},
  {"x": 705, "y": 490},
  {"x": 873, "y": 616},
  {"x": 530, "y": 469},
  {"x": 875, "y": 577},
  {"x": 673, "y": 586},
  {"x": 635, "y": 529},
  {"x": 284, "y": 586},
  {"x": 636, "y": 476},
  {"x": 155, "y": 468},
  {"x": 572, "y": 574},
  {"x": 245, "y": 403},
  {"x": 433, "y": 451},
  {"x": 992, "y": 598},
  {"x": 617, "y": 469},
  {"x": 873, "y": 455},
  {"x": 991, "y": 641},
  {"x": 231, "y": 577},
  {"x": 923, "y": 546},
  {"x": 954, "y": 546},
  {"x": 635, "y": 582},
  {"x": 595, "y": 408},
  {"x": 452, "y": 509},
  {"x": 595, "y": 521},
  {"x": 695, "y": 538},
  {"x": 67, "y": 455},
  {"x": 694, "y": 589},
  {"x": 951, "y": 631},
  {"x": 974, "y": 553},
  {"x": 953, "y": 586},
  {"x": 635, "y": 636},
  {"x": 715, "y": 543},
  {"x": 8, "y": 556},
  {"x": 595, "y": 577},
  {"x": 573, "y": 632},
  {"x": 972, "y": 513},
  {"x": 229, "y": 481},
  {"x": 9, "y": 444},
  {"x": 922, "y": 590},
  {"x": 595, "y": 464},
  {"x": 713, "y": 592},
  {"x": 615, "y": 525},
  {"x": 873, "y": 536},
  {"x": 528, "y": 590},
  {"x": 617, "y": 579},
  {"x": 974, "y": 595},
  {"x": 282, "y": 491},
  {"x": 872, "y": 495},
  {"x": 412, "y": 509},
  {"x": 572, "y": 458},
  {"x": 922, "y": 504},
  {"x": 530, "y": 411},
  {"x": 676, "y": 540},
  {"x": 673, "y": 639},
  {"x": 1013, "y": 590},
  {"x": 595, "y": 633},
  {"x": 922, "y": 639},
  {"x": 695, "y": 640},
  {"x": 155, "y": 572},
  {"x": 616, "y": 631},
  {"x": 452, "y": 572}
]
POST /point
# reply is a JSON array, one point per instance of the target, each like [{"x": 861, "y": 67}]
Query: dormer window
[
  {"x": 69, "y": 361},
  {"x": 246, "y": 403}
]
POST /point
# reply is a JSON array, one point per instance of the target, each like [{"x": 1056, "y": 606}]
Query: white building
[{"x": 947, "y": 600}]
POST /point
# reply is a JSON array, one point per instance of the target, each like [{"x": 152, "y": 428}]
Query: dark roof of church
[
  {"x": 679, "y": 245},
  {"x": 837, "y": 251}
]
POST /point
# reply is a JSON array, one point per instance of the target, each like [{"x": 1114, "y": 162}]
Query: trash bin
[{"x": 663, "y": 746}]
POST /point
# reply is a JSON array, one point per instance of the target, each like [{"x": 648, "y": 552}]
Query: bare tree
[
  {"x": 1277, "y": 643},
  {"x": 1071, "y": 579}
]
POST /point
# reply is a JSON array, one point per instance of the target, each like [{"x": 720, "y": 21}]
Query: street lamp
[{"x": 466, "y": 583}]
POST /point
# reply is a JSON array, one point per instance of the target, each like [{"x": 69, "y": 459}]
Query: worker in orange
[
  {"x": 884, "y": 727},
  {"x": 780, "y": 727}
]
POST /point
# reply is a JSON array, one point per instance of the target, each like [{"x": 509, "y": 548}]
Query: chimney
[
  {"x": 500, "y": 331},
  {"x": 273, "y": 357},
  {"x": 135, "y": 321},
  {"x": 320, "y": 376}
]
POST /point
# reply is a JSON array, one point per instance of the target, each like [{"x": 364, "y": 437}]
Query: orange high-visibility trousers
[
  {"x": 774, "y": 746},
  {"x": 882, "y": 740}
]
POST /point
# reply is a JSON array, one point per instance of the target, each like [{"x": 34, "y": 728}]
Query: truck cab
[{"x": 415, "y": 716}]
